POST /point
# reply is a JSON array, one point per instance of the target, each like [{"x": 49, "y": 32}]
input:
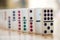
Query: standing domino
[
  {"x": 25, "y": 20},
  {"x": 38, "y": 21},
  {"x": 31, "y": 21},
  {"x": 47, "y": 21},
  {"x": 19, "y": 19}
]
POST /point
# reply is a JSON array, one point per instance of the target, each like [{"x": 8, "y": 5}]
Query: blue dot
[{"x": 13, "y": 11}]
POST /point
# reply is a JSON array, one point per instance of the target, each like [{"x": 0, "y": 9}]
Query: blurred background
[{"x": 13, "y": 4}]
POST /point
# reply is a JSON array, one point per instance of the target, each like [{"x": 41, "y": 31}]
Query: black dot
[
  {"x": 51, "y": 14},
  {"x": 9, "y": 21},
  {"x": 51, "y": 31},
  {"x": 30, "y": 17},
  {"x": 51, "y": 24},
  {"x": 47, "y": 10},
  {"x": 45, "y": 24},
  {"x": 30, "y": 11},
  {"x": 48, "y": 14},
  {"x": 51, "y": 10},
  {"x": 13, "y": 17},
  {"x": 45, "y": 31},
  {"x": 44, "y": 14},
  {"x": 9, "y": 24},
  {"x": 51, "y": 18},
  {"x": 48, "y": 18},
  {"x": 9, "y": 27},
  {"x": 44, "y": 10},
  {"x": 13, "y": 14},
  {"x": 45, "y": 18},
  {"x": 48, "y": 27}
]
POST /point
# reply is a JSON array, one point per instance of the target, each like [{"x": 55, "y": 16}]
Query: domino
[
  {"x": 2, "y": 18},
  {"x": 25, "y": 20},
  {"x": 38, "y": 20},
  {"x": 19, "y": 13},
  {"x": 47, "y": 21},
  {"x": 31, "y": 21}
]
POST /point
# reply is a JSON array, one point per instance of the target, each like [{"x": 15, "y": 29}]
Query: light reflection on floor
[{"x": 6, "y": 35}]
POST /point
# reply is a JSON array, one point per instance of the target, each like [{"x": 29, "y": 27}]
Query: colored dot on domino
[
  {"x": 31, "y": 30},
  {"x": 13, "y": 11},
  {"x": 19, "y": 28},
  {"x": 13, "y": 14},
  {"x": 31, "y": 23},
  {"x": 18, "y": 14},
  {"x": 18, "y": 11},
  {"x": 24, "y": 25},
  {"x": 24, "y": 28},
  {"x": 19, "y": 25},
  {"x": 31, "y": 26},
  {"x": 24, "y": 17},
  {"x": 19, "y": 17},
  {"x": 19, "y": 22},
  {"x": 24, "y": 22}
]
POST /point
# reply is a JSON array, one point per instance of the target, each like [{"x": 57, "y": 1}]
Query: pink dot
[
  {"x": 19, "y": 25},
  {"x": 18, "y": 11},
  {"x": 19, "y": 22},
  {"x": 19, "y": 28},
  {"x": 18, "y": 17},
  {"x": 18, "y": 14}
]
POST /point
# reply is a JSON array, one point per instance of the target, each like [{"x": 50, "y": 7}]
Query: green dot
[
  {"x": 24, "y": 22},
  {"x": 24, "y": 28},
  {"x": 24, "y": 17},
  {"x": 24, "y": 25}
]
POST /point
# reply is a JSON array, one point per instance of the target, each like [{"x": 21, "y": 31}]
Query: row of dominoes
[{"x": 37, "y": 20}]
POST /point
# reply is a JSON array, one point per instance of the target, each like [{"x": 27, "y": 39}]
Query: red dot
[
  {"x": 31, "y": 26},
  {"x": 19, "y": 28},
  {"x": 31, "y": 30},
  {"x": 18, "y": 17},
  {"x": 19, "y": 22},
  {"x": 30, "y": 22},
  {"x": 18, "y": 14},
  {"x": 18, "y": 11},
  {"x": 19, "y": 25}
]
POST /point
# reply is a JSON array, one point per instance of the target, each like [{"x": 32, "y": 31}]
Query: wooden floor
[{"x": 19, "y": 33}]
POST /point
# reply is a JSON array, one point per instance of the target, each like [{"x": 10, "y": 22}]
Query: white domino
[
  {"x": 47, "y": 15},
  {"x": 31, "y": 20},
  {"x": 38, "y": 20},
  {"x": 25, "y": 26}
]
